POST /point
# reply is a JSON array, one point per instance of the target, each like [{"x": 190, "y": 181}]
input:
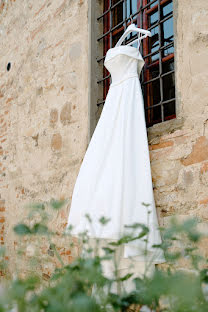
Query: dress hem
[{"x": 138, "y": 257}]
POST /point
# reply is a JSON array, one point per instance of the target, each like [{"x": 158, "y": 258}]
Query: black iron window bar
[{"x": 159, "y": 50}]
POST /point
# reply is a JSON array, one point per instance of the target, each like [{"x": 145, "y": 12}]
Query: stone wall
[
  {"x": 179, "y": 147},
  {"x": 43, "y": 107},
  {"x": 45, "y": 111}
]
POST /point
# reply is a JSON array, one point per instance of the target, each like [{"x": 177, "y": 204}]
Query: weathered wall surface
[
  {"x": 44, "y": 111},
  {"x": 179, "y": 147},
  {"x": 43, "y": 106}
]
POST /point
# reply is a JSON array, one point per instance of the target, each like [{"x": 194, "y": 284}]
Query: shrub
[{"x": 170, "y": 288}]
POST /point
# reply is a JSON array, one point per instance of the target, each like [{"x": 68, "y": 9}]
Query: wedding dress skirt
[
  {"x": 124, "y": 266},
  {"x": 115, "y": 176}
]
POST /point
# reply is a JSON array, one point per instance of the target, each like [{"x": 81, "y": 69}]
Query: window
[{"x": 157, "y": 76}]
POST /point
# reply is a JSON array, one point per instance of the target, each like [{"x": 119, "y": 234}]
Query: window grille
[{"x": 158, "y": 76}]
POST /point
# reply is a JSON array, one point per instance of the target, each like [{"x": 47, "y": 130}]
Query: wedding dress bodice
[{"x": 122, "y": 62}]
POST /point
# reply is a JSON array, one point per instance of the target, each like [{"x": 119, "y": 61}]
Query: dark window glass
[
  {"x": 152, "y": 89},
  {"x": 153, "y": 4},
  {"x": 168, "y": 66},
  {"x": 168, "y": 87},
  {"x": 167, "y": 31},
  {"x": 169, "y": 110},
  {"x": 117, "y": 13},
  {"x": 153, "y": 18},
  {"x": 154, "y": 43},
  {"x": 154, "y": 115},
  {"x": 167, "y": 9}
]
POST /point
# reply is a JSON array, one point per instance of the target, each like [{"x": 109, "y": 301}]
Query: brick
[
  {"x": 181, "y": 139},
  {"x": 204, "y": 201},
  {"x": 53, "y": 116},
  {"x": 175, "y": 134},
  {"x": 4, "y": 125},
  {"x": 65, "y": 115},
  {"x": 70, "y": 259},
  {"x": 56, "y": 142},
  {"x": 204, "y": 213},
  {"x": 199, "y": 152},
  {"x": 159, "y": 154},
  {"x": 161, "y": 145},
  {"x": 204, "y": 167},
  {"x": 204, "y": 174},
  {"x": 9, "y": 100}
]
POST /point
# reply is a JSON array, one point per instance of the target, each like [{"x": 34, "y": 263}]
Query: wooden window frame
[{"x": 140, "y": 18}]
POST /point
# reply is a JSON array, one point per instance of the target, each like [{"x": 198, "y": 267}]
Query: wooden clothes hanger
[{"x": 132, "y": 27}]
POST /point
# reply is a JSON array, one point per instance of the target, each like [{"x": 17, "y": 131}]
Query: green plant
[{"x": 69, "y": 288}]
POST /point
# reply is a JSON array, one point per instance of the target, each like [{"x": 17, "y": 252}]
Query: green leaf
[
  {"x": 145, "y": 204},
  {"x": 194, "y": 236},
  {"x": 204, "y": 275},
  {"x": 125, "y": 277},
  {"x": 87, "y": 216},
  {"x": 57, "y": 204},
  {"x": 190, "y": 249},
  {"x": 22, "y": 229},
  {"x": 104, "y": 220},
  {"x": 108, "y": 250},
  {"x": 37, "y": 206},
  {"x": 123, "y": 240},
  {"x": 137, "y": 225},
  {"x": 39, "y": 228},
  {"x": 2, "y": 251}
]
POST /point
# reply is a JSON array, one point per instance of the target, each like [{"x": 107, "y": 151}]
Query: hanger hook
[{"x": 131, "y": 19}]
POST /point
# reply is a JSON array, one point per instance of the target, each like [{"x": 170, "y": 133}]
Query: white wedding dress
[{"x": 115, "y": 176}]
